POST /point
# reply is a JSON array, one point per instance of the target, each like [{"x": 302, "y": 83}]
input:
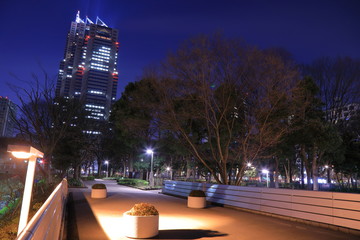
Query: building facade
[
  {"x": 7, "y": 117},
  {"x": 88, "y": 71}
]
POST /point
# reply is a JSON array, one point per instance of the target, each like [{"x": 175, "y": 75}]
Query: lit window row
[
  {"x": 99, "y": 65},
  {"x": 70, "y": 67},
  {"x": 94, "y": 106},
  {"x": 96, "y": 92},
  {"x": 92, "y": 132},
  {"x": 77, "y": 93},
  {"x": 97, "y": 114},
  {"x": 92, "y": 110},
  {"x": 100, "y": 69},
  {"x": 73, "y": 125},
  {"x": 69, "y": 76},
  {"x": 93, "y": 117},
  {"x": 100, "y": 56},
  {"x": 100, "y": 53},
  {"x": 100, "y": 59},
  {"x": 104, "y": 51}
]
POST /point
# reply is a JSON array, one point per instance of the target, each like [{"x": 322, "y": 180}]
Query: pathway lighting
[
  {"x": 265, "y": 171},
  {"x": 151, "y": 178},
  {"x": 107, "y": 168},
  {"x": 30, "y": 153}
]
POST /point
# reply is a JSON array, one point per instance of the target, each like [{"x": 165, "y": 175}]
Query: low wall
[
  {"x": 340, "y": 209},
  {"x": 48, "y": 220}
]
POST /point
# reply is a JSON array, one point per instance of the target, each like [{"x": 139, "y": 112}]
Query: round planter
[
  {"x": 141, "y": 226},
  {"x": 98, "y": 193},
  {"x": 196, "y": 202}
]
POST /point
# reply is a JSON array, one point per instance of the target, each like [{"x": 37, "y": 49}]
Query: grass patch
[
  {"x": 137, "y": 183},
  {"x": 132, "y": 182}
]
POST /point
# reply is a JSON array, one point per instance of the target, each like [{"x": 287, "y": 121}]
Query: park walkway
[{"x": 100, "y": 219}]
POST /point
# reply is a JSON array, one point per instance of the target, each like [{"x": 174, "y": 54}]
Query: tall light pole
[
  {"x": 151, "y": 178},
  {"x": 26, "y": 152},
  {"x": 107, "y": 168},
  {"x": 328, "y": 174},
  {"x": 267, "y": 176}
]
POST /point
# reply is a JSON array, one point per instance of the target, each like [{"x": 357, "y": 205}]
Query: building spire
[
  {"x": 78, "y": 19},
  {"x": 88, "y": 20},
  {"x": 100, "y": 22}
]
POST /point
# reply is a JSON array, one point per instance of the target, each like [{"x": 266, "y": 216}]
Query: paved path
[{"x": 102, "y": 219}]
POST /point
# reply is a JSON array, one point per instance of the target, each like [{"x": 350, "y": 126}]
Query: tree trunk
[
  {"x": 188, "y": 167},
  {"x": 99, "y": 166},
  {"x": 303, "y": 157},
  {"x": 315, "y": 171},
  {"x": 315, "y": 174},
  {"x": 276, "y": 175},
  {"x": 77, "y": 172}
]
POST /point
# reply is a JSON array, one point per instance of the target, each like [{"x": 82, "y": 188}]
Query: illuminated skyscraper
[
  {"x": 89, "y": 68},
  {"x": 8, "y": 111}
]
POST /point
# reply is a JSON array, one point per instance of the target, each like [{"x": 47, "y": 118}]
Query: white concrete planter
[
  {"x": 196, "y": 202},
  {"x": 141, "y": 226},
  {"x": 98, "y": 193}
]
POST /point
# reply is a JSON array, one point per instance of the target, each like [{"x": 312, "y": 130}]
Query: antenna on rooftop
[
  {"x": 88, "y": 20},
  {"x": 100, "y": 22},
  {"x": 78, "y": 19}
]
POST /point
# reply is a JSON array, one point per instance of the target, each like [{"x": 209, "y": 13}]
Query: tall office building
[
  {"x": 7, "y": 114},
  {"x": 89, "y": 68}
]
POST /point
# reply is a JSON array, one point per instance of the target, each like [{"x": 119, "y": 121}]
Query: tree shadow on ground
[{"x": 188, "y": 234}]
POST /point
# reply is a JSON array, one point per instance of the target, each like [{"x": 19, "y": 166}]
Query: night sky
[{"x": 34, "y": 32}]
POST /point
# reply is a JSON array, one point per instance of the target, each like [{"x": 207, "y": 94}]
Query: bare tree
[
  {"x": 227, "y": 101},
  {"x": 339, "y": 83},
  {"x": 43, "y": 119}
]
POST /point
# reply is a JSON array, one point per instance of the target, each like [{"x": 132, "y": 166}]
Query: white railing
[
  {"x": 48, "y": 221},
  {"x": 339, "y": 209}
]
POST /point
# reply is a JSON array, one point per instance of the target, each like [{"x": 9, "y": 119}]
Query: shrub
[
  {"x": 98, "y": 186},
  {"x": 90, "y": 178},
  {"x": 75, "y": 182},
  {"x": 143, "y": 209},
  {"x": 197, "y": 193},
  {"x": 132, "y": 182}
]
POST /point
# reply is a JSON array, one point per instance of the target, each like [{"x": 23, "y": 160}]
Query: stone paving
[{"x": 102, "y": 219}]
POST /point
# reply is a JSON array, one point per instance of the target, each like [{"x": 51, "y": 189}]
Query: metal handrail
[{"x": 48, "y": 220}]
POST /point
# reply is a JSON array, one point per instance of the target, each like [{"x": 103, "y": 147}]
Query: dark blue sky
[{"x": 34, "y": 31}]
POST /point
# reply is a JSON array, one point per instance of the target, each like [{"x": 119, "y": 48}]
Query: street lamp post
[
  {"x": 26, "y": 152},
  {"x": 267, "y": 176},
  {"x": 328, "y": 174},
  {"x": 151, "y": 178},
  {"x": 107, "y": 168}
]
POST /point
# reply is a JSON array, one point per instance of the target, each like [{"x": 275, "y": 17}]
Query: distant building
[
  {"x": 7, "y": 117},
  {"x": 344, "y": 113},
  {"x": 89, "y": 69}
]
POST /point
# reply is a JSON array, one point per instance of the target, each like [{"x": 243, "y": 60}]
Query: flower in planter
[
  {"x": 98, "y": 191},
  {"x": 141, "y": 221},
  {"x": 197, "y": 193},
  {"x": 196, "y": 199},
  {"x": 142, "y": 209},
  {"x": 98, "y": 186}
]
